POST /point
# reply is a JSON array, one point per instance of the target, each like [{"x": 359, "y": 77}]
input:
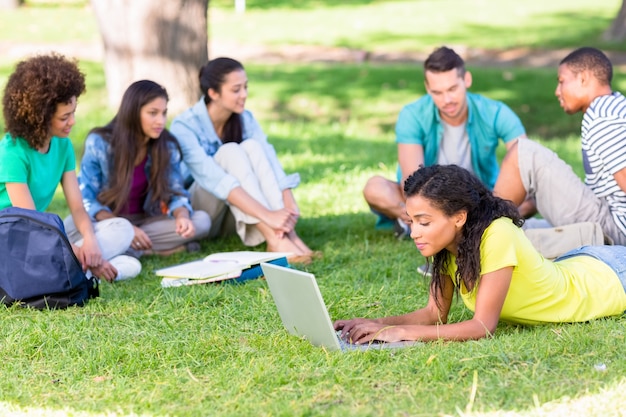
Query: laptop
[{"x": 303, "y": 311}]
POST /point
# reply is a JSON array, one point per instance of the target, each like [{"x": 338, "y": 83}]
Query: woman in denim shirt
[
  {"x": 131, "y": 168},
  {"x": 234, "y": 168}
]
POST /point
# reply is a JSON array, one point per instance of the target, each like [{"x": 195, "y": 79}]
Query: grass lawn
[
  {"x": 372, "y": 25},
  {"x": 140, "y": 350},
  {"x": 406, "y": 25}
]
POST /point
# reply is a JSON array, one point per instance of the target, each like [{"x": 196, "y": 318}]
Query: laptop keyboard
[
  {"x": 346, "y": 345},
  {"x": 374, "y": 344}
]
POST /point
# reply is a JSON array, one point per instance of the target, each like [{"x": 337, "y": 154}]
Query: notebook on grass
[
  {"x": 238, "y": 266},
  {"x": 303, "y": 311}
]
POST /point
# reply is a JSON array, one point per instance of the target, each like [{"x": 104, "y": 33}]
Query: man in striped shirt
[{"x": 529, "y": 169}]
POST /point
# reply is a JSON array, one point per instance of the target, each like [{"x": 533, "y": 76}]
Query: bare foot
[
  {"x": 299, "y": 243},
  {"x": 306, "y": 255},
  {"x": 283, "y": 244},
  {"x": 300, "y": 259},
  {"x": 290, "y": 243}
]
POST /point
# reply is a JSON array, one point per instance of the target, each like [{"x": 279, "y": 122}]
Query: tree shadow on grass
[
  {"x": 353, "y": 155},
  {"x": 337, "y": 94},
  {"x": 549, "y": 31}
]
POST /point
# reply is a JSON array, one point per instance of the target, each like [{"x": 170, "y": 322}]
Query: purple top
[{"x": 138, "y": 190}]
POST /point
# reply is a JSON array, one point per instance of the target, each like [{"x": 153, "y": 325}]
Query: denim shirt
[
  {"x": 199, "y": 142},
  {"x": 488, "y": 121},
  {"x": 94, "y": 176}
]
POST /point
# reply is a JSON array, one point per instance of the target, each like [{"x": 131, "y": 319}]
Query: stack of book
[{"x": 238, "y": 266}]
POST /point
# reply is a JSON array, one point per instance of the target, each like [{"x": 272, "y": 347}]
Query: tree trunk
[
  {"x": 617, "y": 31},
  {"x": 163, "y": 41},
  {"x": 10, "y": 4}
]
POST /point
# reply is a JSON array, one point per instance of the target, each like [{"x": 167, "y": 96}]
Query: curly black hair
[
  {"x": 588, "y": 58},
  {"x": 33, "y": 92},
  {"x": 452, "y": 189}
]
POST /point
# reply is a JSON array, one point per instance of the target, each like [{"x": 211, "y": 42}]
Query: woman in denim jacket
[
  {"x": 234, "y": 168},
  {"x": 131, "y": 168}
]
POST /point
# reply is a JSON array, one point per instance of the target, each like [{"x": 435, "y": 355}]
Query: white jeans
[
  {"x": 246, "y": 162},
  {"x": 114, "y": 235}
]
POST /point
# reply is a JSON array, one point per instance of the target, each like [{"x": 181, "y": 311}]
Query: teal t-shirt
[
  {"x": 41, "y": 172},
  {"x": 489, "y": 121}
]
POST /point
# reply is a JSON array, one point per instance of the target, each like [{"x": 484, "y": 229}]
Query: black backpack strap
[{"x": 93, "y": 290}]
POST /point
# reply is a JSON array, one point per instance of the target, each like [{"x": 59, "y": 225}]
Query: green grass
[
  {"x": 221, "y": 349},
  {"x": 140, "y": 350},
  {"x": 47, "y": 24},
  {"x": 382, "y": 26},
  {"x": 415, "y": 25}
]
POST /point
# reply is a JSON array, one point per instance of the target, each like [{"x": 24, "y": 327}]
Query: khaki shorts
[{"x": 561, "y": 197}]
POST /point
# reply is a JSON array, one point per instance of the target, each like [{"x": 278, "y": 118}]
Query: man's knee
[
  {"x": 380, "y": 192},
  {"x": 373, "y": 188}
]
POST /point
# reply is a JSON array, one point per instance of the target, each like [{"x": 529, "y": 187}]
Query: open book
[{"x": 215, "y": 267}]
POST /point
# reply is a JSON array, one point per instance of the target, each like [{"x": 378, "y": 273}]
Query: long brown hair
[{"x": 124, "y": 134}]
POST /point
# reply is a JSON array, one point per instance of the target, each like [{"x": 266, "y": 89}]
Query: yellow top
[{"x": 576, "y": 289}]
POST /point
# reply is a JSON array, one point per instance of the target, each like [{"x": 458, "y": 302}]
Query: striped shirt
[{"x": 604, "y": 151}]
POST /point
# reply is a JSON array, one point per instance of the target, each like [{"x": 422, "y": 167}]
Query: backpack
[{"x": 38, "y": 267}]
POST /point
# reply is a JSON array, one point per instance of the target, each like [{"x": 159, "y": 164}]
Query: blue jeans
[{"x": 614, "y": 256}]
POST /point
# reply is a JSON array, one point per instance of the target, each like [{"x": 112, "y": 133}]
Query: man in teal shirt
[{"x": 447, "y": 126}]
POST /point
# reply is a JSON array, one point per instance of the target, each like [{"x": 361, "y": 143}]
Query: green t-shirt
[
  {"x": 576, "y": 289},
  {"x": 42, "y": 173}
]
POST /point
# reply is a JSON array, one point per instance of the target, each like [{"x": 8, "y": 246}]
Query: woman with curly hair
[
  {"x": 36, "y": 155},
  {"x": 480, "y": 250},
  {"x": 131, "y": 168}
]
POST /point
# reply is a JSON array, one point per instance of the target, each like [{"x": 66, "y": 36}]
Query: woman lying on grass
[{"x": 479, "y": 250}]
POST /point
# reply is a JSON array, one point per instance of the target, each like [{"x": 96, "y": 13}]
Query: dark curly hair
[
  {"x": 33, "y": 92},
  {"x": 452, "y": 189},
  {"x": 588, "y": 58}
]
